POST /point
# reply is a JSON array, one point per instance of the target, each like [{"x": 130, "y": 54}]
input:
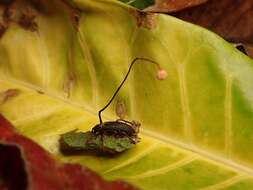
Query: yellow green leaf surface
[{"x": 197, "y": 125}]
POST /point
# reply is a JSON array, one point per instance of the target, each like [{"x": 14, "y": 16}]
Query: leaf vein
[
  {"x": 164, "y": 169},
  {"x": 90, "y": 64},
  {"x": 133, "y": 159},
  {"x": 228, "y": 115},
  {"x": 225, "y": 183}
]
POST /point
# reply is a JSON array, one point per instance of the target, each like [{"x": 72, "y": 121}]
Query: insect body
[{"x": 119, "y": 128}]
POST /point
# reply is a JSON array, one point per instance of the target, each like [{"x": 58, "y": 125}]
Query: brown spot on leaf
[
  {"x": 75, "y": 16},
  {"x": 6, "y": 95},
  {"x": 145, "y": 19},
  {"x": 69, "y": 83},
  {"x": 20, "y": 12},
  {"x": 40, "y": 92},
  {"x": 2, "y": 30},
  {"x": 67, "y": 87},
  {"x": 28, "y": 22},
  {"x": 6, "y": 18},
  {"x": 121, "y": 109},
  {"x": 71, "y": 77},
  {"x": 7, "y": 14}
]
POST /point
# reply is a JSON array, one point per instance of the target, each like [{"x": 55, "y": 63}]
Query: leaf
[
  {"x": 76, "y": 140},
  {"x": 163, "y": 5},
  {"x": 118, "y": 145},
  {"x": 168, "y": 6},
  {"x": 140, "y": 4},
  {"x": 233, "y": 21},
  {"x": 79, "y": 141},
  {"x": 196, "y": 125},
  {"x": 234, "y": 24},
  {"x": 25, "y": 165}
]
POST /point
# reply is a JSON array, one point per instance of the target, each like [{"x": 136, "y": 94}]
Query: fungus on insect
[
  {"x": 111, "y": 136},
  {"x": 122, "y": 127}
]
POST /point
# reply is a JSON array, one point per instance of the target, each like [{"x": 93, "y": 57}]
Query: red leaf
[{"x": 26, "y": 165}]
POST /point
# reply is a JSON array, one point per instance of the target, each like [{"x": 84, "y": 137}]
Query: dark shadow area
[
  {"x": 12, "y": 169},
  {"x": 6, "y": 2},
  {"x": 241, "y": 48}
]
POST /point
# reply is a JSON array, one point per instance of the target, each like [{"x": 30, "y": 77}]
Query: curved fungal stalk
[{"x": 161, "y": 74}]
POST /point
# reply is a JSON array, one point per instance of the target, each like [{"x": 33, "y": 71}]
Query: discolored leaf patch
[
  {"x": 28, "y": 22},
  {"x": 120, "y": 109},
  {"x": 2, "y": 30},
  {"x": 24, "y": 17},
  {"x": 146, "y": 20},
  {"x": 6, "y": 95}
]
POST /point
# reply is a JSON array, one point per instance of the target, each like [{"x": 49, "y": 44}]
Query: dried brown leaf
[
  {"x": 173, "y": 5},
  {"x": 231, "y": 19}
]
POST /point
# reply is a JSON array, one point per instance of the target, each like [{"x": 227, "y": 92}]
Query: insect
[
  {"x": 120, "y": 127},
  {"x": 108, "y": 137}
]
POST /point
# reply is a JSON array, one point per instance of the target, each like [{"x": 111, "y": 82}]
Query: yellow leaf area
[
  {"x": 153, "y": 164},
  {"x": 196, "y": 130}
]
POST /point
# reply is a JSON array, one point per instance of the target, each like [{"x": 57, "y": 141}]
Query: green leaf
[
  {"x": 196, "y": 127},
  {"x": 140, "y": 4},
  {"x": 79, "y": 141},
  {"x": 118, "y": 144},
  {"x": 76, "y": 141}
]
